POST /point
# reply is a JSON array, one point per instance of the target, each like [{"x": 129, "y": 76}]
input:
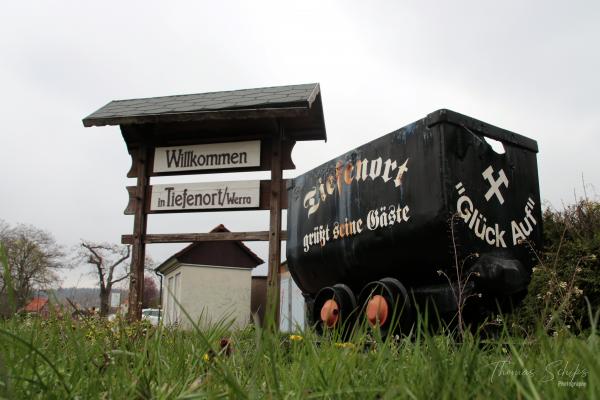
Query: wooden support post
[
  {"x": 275, "y": 230},
  {"x": 138, "y": 252}
]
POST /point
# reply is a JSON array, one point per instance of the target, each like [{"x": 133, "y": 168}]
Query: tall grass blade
[
  {"x": 7, "y": 276},
  {"x": 35, "y": 350}
]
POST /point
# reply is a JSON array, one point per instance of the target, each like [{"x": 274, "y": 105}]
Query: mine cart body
[{"x": 412, "y": 204}]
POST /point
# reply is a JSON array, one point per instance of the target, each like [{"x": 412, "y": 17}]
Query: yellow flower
[
  {"x": 296, "y": 338},
  {"x": 206, "y": 357},
  {"x": 345, "y": 345}
]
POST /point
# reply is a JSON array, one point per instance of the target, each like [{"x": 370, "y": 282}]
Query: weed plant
[
  {"x": 94, "y": 358},
  {"x": 568, "y": 271}
]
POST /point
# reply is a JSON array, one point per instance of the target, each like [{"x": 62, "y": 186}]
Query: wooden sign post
[
  {"x": 236, "y": 131},
  {"x": 138, "y": 251},
  {"x": 274, "y": 260}
]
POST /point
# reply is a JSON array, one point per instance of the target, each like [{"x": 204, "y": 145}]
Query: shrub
[{"x": 568, "y": 272}]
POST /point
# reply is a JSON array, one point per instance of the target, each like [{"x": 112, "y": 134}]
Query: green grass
[{"x": 58, "y": 359}]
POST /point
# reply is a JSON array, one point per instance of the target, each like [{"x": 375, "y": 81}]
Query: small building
[
  {"x": 41, "y": 307},
  {"x": 258, "y": 301},
  {"x": 38, "y": 306},
  {"x": 292, "y": 308},
  {"x": 211, "y": 281}
]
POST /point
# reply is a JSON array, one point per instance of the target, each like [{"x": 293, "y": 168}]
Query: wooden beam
[
  {"x": 138, "y": 252},
  {"x": 203, "y": 237},
  {"x": 298, "y": 111},
  {"x": 273, "y": 281}
]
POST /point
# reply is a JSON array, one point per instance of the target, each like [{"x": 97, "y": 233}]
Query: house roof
[
  {"x": 181, "y": 255},
  {"x": 36, "y": 304},
  {"x": 291, "y": 101}
]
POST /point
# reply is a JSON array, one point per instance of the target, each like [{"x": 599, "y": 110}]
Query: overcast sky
[{"x": 530, "y": 67}]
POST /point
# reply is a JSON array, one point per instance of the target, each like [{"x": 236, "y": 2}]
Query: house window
[
  {"x": 177, "y": 294},
  {"x": 172, "y": 298},
  {"x": 170, "y": 302}
]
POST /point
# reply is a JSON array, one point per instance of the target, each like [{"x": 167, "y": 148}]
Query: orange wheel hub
[
  {"x": 377, "y": 310},
  {"x": 330, "y": 313}
]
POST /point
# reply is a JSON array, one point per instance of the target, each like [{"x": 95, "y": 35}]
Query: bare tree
[
  {"x": 33, "y": 258},
  {"x": 109, "y": 264}
]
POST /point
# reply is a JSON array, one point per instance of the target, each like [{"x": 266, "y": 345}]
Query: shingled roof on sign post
[{"x": 271, "y": 102}]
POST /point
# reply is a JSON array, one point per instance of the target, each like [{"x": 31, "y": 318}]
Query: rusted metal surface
[
  {"x": 485, "y": 129},
  {"x": 400, "y": 206}
]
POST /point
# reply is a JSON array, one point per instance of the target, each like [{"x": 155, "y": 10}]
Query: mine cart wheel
[
  {"x": 386, "y": 305},
  {"x": 334, "y": 307}
]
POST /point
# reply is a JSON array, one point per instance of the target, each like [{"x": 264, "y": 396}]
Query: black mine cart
[{"x": 384, "y": 226}]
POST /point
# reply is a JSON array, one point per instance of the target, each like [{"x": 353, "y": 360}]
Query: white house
[{"x": 211, "y": 281}]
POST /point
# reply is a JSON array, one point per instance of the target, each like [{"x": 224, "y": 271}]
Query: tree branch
[
  {"x": 120, "y": 279},
  {"x": 120, "y": 260}
]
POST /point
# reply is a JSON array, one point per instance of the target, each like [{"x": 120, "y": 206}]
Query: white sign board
[
  {"x": 207, "y": 156},
  {"x": 206, "y": 195},
  {"x": 115, "y": 299}
]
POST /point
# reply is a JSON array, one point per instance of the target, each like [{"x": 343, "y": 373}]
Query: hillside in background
[{"x": 84, "y": 297}]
